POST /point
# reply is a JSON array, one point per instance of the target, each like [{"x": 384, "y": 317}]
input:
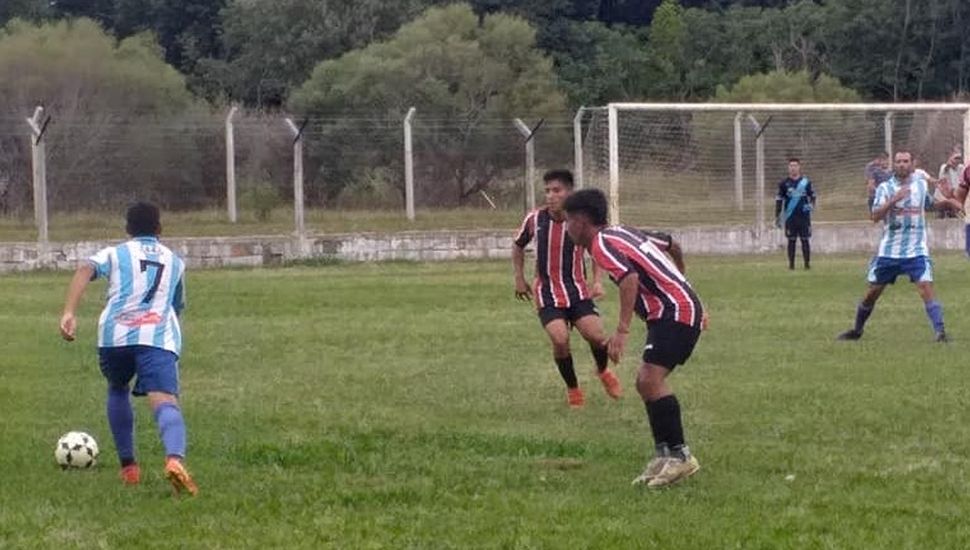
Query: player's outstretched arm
[{"x": 75, "y": 290}]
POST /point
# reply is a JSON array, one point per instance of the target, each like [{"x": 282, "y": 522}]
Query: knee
[
  {"x": 157, "y": 399},
  {"x": 647, "y": 387},
  {"x": 560, "y": 347},
  {"x": 595, "y": 341}
]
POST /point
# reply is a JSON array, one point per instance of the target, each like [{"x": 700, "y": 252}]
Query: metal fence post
[
  {"x": 408, "y": 166},
  {"x": 38, "y": 126}
]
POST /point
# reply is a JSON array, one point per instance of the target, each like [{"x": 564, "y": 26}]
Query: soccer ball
[{"x": 76, "y": 450}]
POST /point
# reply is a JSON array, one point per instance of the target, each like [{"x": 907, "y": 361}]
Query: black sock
[
  {"x": 791, "y": 253},
  {"x": 665, "y": 420},
  {"x": 567, "y": 371},
  {"x": 601, "y": 357},
  {"x": 127, "y": 462},
  {"x": 862, "y": 313},
  {"x": 806, "y": 252},
  {"x": 656, "y": 428}
]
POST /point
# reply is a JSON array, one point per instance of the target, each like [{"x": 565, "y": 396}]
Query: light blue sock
[
  {"x": 934, "y": 310},
  {"x": 121, "y": 418},
  {"x": 171, "y": 429}
]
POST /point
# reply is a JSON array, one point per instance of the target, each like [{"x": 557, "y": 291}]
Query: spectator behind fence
[
  {"x": 876, "y": 172},
  {"x": 951, "y": 172},
  {"x": 939, "y": 194}
]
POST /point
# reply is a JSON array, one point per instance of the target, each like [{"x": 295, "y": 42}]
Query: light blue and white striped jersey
[
  {"x": 146, "y": 293},
  {"x": 904, "y": 227}
]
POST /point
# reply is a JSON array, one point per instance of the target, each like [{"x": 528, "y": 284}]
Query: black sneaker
[
  {"x": 851, "y": 334},
  {"x": 941, "y": 337}
]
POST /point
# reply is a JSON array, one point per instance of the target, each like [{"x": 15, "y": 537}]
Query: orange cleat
[
  {"x": 575, "y": 398},
  {"x": 131, "y": 474},
  {"x": 611, "y": 383},
  {"x": 179, "y": 477}
]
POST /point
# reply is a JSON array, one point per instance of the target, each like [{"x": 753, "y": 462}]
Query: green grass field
[{"x": 416, "y": 406}]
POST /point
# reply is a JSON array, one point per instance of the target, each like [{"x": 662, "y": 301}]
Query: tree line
[{"x": 259, "y": 52}]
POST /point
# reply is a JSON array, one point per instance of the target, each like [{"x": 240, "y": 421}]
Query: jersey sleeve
[
  {"x": 930, "y": 198},
  {"x": 662, "y": 240},
  {"x": 178, "y": 295},
  {"x": 781, "y": 195},
  {"x": 526, "y": 231},
  {"x": 101, "y": 262},
  {"x": 610, "y": 259},
  {"x": 810, "y": 191},
  {"x": 882, "y": 195}
]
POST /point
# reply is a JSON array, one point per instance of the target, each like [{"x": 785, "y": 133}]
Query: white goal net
[{"x": 678, "y": 164}]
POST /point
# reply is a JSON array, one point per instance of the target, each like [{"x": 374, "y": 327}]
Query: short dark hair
[
  {"x": 143, "y": 220},
  {"x": 563, "y": 175},
  {"x": 591, "y": 202},
  {"x": 794, "y": 159}
]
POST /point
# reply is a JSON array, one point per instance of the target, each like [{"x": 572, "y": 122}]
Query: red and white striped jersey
[
  {"x": 665, "y": 293},
  {"x": 560, "y": 273}
]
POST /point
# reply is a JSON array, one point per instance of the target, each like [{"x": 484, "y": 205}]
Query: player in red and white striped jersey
[
  {"x": 561, "y": 293},
  {"x": 649, "y": 270}
]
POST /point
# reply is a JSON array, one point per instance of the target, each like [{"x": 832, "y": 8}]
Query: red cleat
[
  {"x": 575, "y": 398},
  {"x": 179, "y": 477},
  {"x": 131, "y": 474},
  {"x": 611, "y": 383}
]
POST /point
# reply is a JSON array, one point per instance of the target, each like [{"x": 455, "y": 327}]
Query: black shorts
[
  {"x": 798, "y": 228},
  {"x": 578, "y": 310},
  {"x": 669, "y": 343}
]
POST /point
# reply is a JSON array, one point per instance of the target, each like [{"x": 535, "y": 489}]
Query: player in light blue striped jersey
[
  {"x": 139, "y": 338},
  {"x": 900, "y": 204}
]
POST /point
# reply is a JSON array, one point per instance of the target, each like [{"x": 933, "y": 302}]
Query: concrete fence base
[{"x": 452, "y": 245}]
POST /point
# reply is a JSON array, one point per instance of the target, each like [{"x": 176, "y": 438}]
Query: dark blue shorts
[
  {"x": 154, "y": 369},
  {"x": 883, "y": 271}
]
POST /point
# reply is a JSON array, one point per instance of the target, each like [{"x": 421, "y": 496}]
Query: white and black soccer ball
[{"x": 76, "y": 450}]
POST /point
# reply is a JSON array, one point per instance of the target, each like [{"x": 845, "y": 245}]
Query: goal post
[{"x": 676, "y": 164}]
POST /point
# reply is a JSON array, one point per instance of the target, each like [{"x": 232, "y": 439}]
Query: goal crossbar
[{"x": 772, "y": 107}]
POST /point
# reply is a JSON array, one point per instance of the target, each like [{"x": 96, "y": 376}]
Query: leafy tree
[
  {"x": 272, "y": 46},
  {"x": 901, "y": 49},
  {"x": 785, "y": 87},
  {"x": 187, "y": 30},
  {"x": 22, "y": 9},
  {"x": 668, "y": 33},
  {"x": 600, "y": 64},
  {"x": 105, "y": 99},
  {"x": 453, "y": 68}
]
